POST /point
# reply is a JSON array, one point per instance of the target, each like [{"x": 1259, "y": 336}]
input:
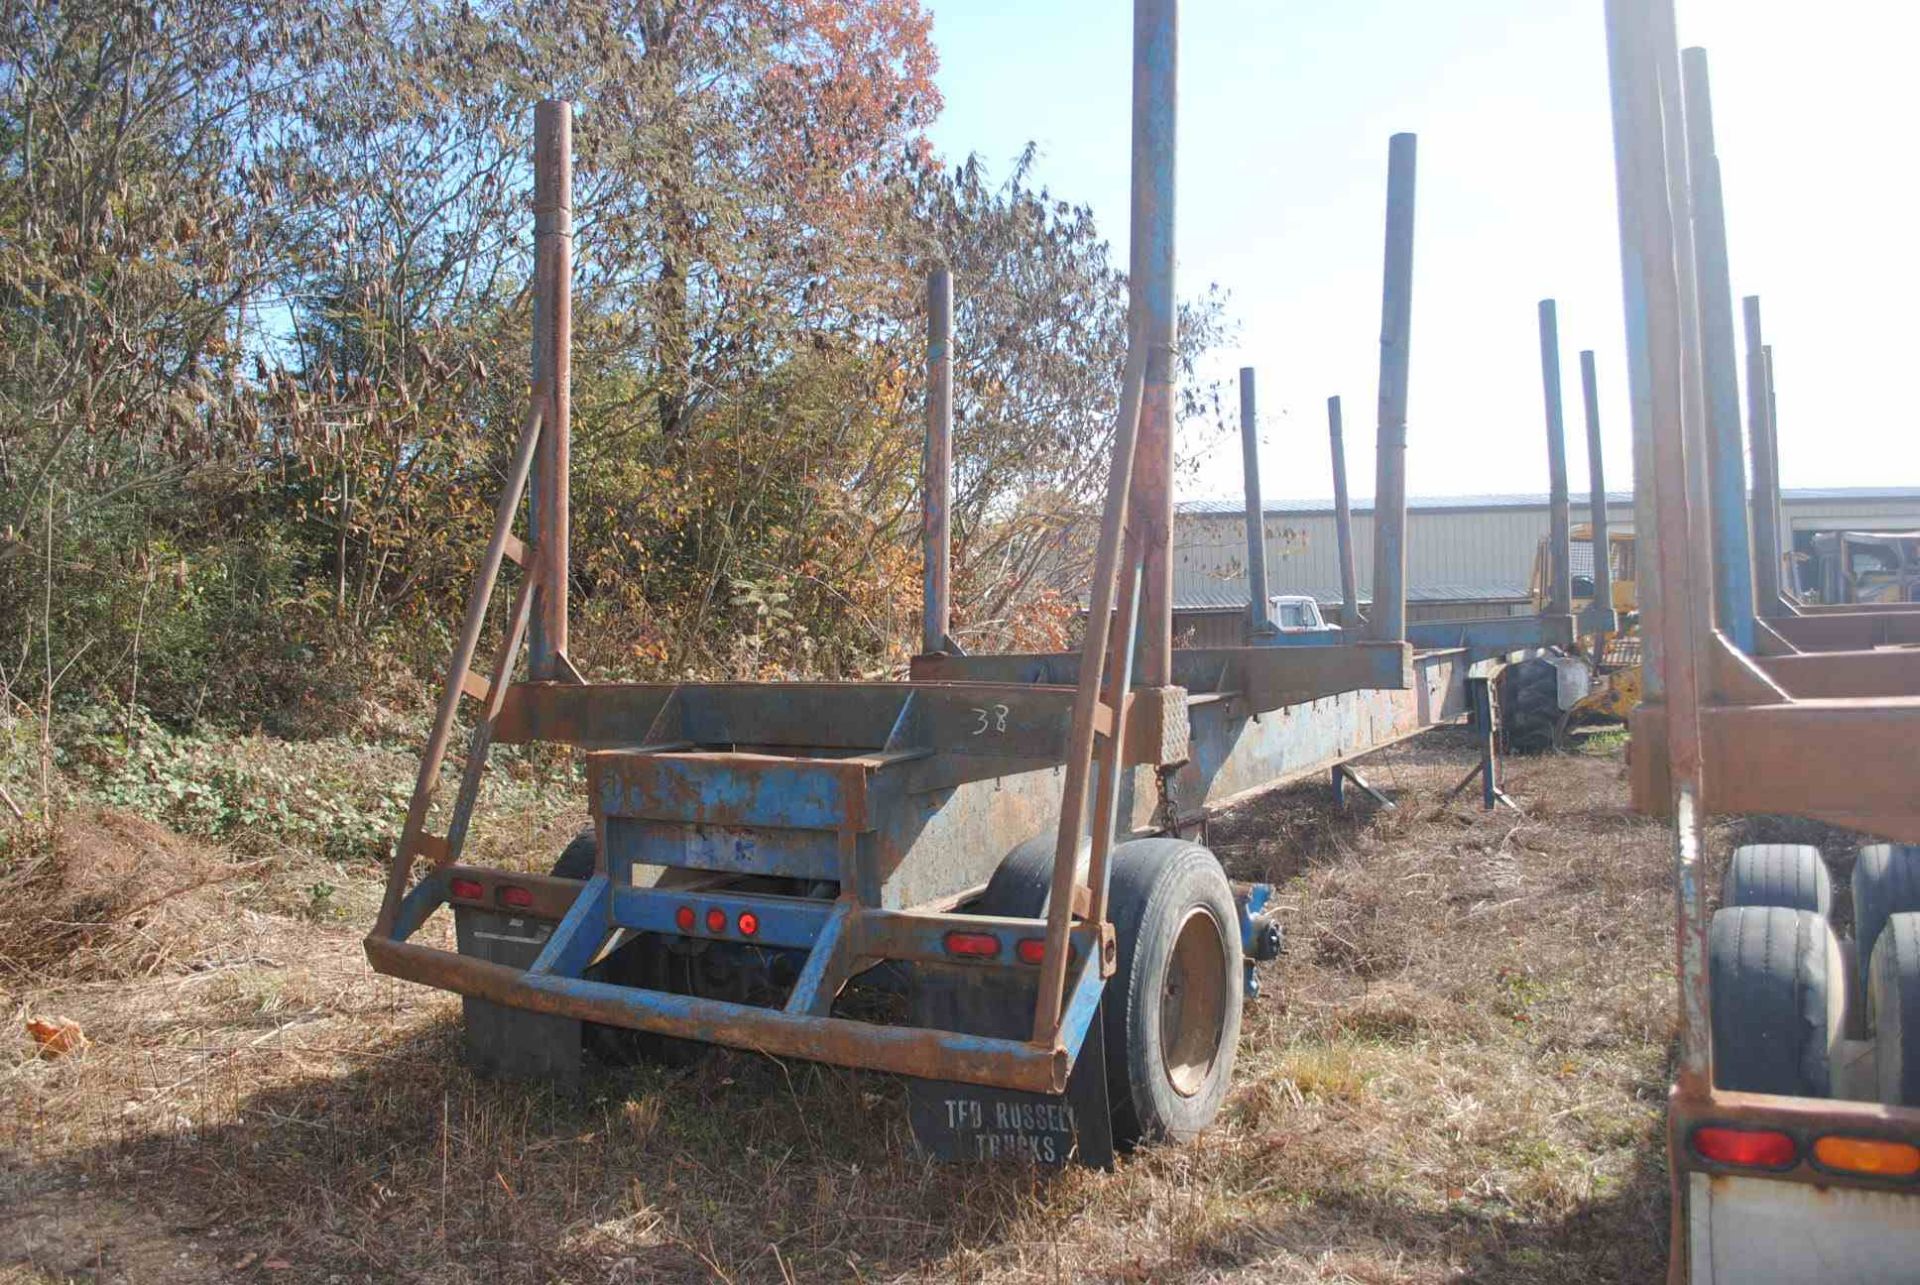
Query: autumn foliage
[{"x": 264, "y": 336}]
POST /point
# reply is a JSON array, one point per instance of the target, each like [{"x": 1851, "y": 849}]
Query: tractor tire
[
  {"x": 1172, "y": 1007},
  {"x": 1895, "y": 999},
  {"x": 1778, "y": 999},
  {"x": 640, "y": 962},
  {"x": 1791, "y": 875},
  {"x": 1530, "y": 705},
  {"x": 1886, "y": 882}
]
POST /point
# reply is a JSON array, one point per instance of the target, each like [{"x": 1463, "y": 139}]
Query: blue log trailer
[
  {"x": 991, "y": 877},
  {"x": 1794, "y": 1115}
]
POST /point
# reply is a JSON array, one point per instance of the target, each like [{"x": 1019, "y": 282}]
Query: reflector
[
  {"x": 749, "y": 923},
  {"x": 973, "y": 945},
  {"x": 1868, "y": 1155},
  {"x": 1755, "y": 1148},
  {"x": 466, "y": 889},
  {"x": 716, "y": 920},
  {"x": 684, "y": 918},
  {"x": 515, "y": 896},
  {"x": 1031, "y": 950}
]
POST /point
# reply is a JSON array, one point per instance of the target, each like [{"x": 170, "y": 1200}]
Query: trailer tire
[
  {"x": 640, "y": 962},
  {"x": 1886, "y": 882},
  {"x": 1895, "y": 1000},
  {"x": 1172, "y": 1006},
  {"x": 1022, "y": 884},
  {"x": 1530, "y": 705},
  {"x": 1791, "y": 875},
  {"x": 1778, "y": 998}
]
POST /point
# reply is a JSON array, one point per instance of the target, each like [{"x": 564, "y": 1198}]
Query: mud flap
[
  {"x": 971, "y": 1122},
  {"x": 512, "y": 1043}
]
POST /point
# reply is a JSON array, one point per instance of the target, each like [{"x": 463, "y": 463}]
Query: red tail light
[
  {"x": 517, "y": 897},
  {"x": 973, "y": 945},
  {"x": 466, "y": 889},
  {"x": 685, "y": 919},
  {"x": 1031, "y": 950},
  {"x": 716, "y": 920},
  {"x": 749, "y": 923},
  {"x": 1754, "y": 1148}
]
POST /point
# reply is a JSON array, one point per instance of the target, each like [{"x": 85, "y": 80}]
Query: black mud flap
[
  {"x": 971, "y": 1122},
  {"x": 512, "y": 1043}
]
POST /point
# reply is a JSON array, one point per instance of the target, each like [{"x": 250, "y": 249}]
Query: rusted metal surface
[
  {"x": 1847, "y": 761},
  {"x": 1263, "y": 677},
  {"x": 903, "y": 1050},
  {"x": 1343, "y": 521},
  {"x": 1855, "y": 630},
  {"x": 1388, "y": 621},
  {"x": 552, "y": 378},
  {"x": 1652, "y": 214},
  {"x": 1155, "y": 311},
  {"x": 1559, "y": 519},
  {"x": 1258, "y": 619},
  {"x": 937, "y": 515},
  {"x": 414, "y": 830}
]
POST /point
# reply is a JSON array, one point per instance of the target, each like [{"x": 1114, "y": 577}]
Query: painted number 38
[{"x": 992, "y": 719}]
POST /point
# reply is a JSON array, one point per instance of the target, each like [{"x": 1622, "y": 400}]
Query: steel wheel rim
[{"x": 1193, "y": 1002}]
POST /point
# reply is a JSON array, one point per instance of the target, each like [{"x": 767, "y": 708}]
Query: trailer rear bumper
[{"x": 555, "y": 985}]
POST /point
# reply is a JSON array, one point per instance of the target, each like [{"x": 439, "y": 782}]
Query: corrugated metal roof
[{"x": 1442, "y": 503}]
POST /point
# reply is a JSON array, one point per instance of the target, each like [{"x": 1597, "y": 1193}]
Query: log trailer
[
  {"x": 991, "y": 877},
  {"x": 1794, "y": 1115}
]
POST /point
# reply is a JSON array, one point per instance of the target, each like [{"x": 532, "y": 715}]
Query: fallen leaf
[
  {"x": 246, "y": 1260},
  {"x": 276, "y": 1264},
  {"x": 56, "y": 1036}
]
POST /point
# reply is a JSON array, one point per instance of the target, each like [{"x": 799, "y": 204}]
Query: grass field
[{"x": 1455, "y": 1073}]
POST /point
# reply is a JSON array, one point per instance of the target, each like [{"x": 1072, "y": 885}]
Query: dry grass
[{"x": 1455, "y": 1074}]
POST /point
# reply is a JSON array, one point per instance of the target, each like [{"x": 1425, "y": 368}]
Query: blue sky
[{"x": 1286, "y": 108}]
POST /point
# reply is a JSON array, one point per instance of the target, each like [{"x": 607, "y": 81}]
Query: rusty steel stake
[
  {"x": 937, "y": 517},
  {"x": 553, "y": 372},
  {"x": 1559, "y": 515}
]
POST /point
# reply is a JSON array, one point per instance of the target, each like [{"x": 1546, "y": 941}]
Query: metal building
[{"x": 1467, "y": 556}]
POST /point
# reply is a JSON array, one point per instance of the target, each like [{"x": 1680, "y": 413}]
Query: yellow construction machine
[{"x": 1599, "y": 679}]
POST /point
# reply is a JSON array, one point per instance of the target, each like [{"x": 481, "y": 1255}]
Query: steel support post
[
  {"x": 1343, "y": 521},
  {"x": 1766, "y": 483},
  {"x": 552, "y": 380},
  {"x": 1259, "y": 619},
  {"x": 1389, "y": 617},
  {"x": 1155, "y": 98},
  {"x": 1725, "y": 463},
  {"x": 1559, "y": 517},
  {"x": 1600, "y": 616},
  {"x": 937, "y": 474}
]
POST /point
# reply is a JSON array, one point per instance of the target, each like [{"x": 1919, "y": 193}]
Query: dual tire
[{"x": 1783, "y": 988}]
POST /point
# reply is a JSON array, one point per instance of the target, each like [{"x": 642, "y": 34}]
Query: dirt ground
[{"x": 1455, "y": 1073}]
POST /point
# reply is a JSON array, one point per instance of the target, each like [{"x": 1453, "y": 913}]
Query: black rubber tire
[
  {"x": 1530, "y": 705},
  {"x": 1778, "y": 997},
  {"x": 1886, "y": 882},
  {"x": 1022, "y": 884},
  {"x": 1791, "y": 875},
  {"x": 1894, "y": 994},
  {"x": 578, "y": 857},
  {"x": 1158, "y": 888},
  {"x": 641, "y": 962}
]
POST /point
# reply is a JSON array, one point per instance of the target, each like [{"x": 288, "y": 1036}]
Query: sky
[{"x": 1285, "y": 111}]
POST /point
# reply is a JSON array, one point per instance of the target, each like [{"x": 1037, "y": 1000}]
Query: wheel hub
[{"x": 1193, "y": 1002}]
